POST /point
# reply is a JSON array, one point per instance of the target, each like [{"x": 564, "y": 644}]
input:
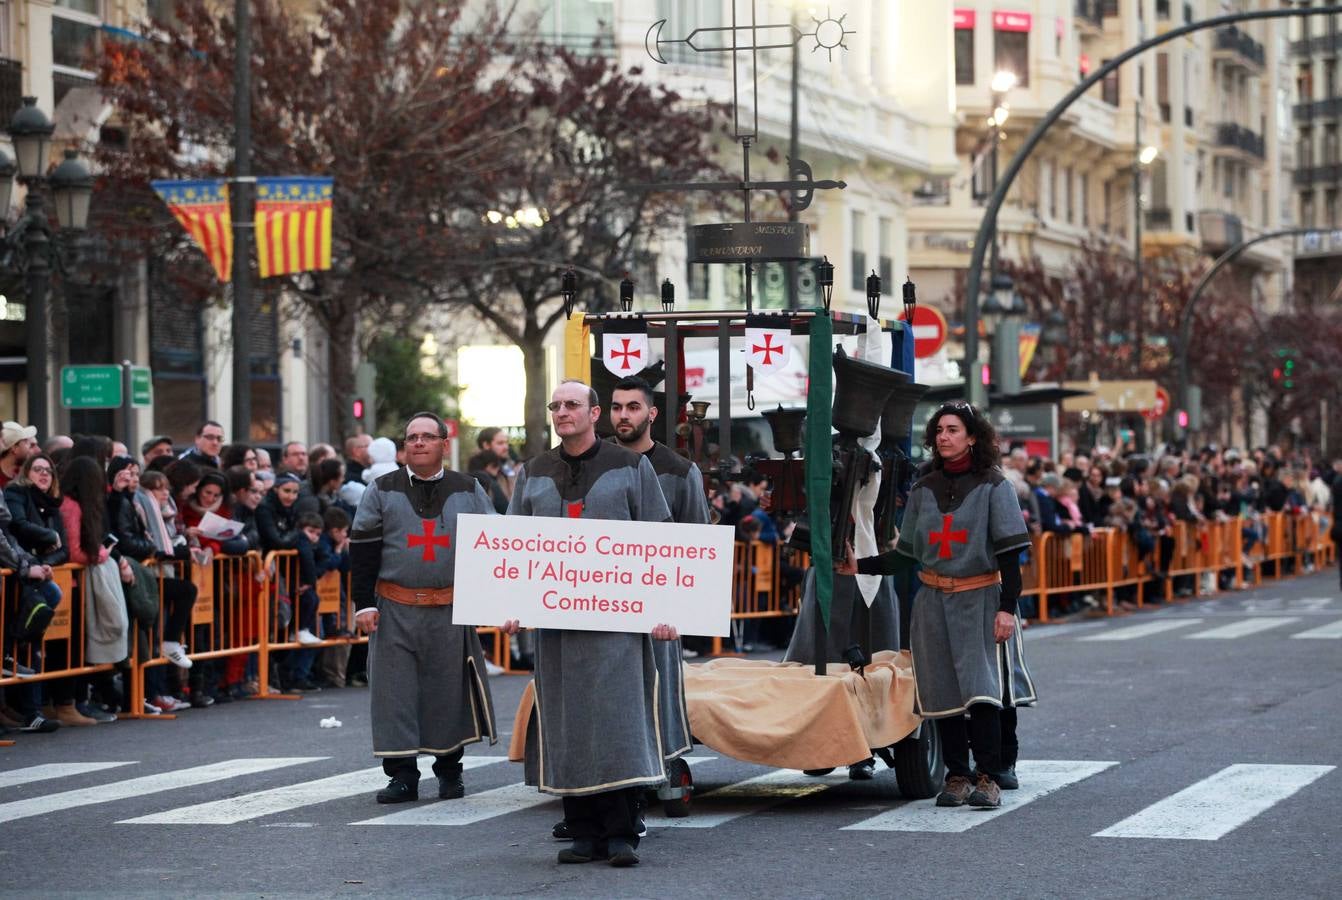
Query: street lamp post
[
  {"x": 1002, "y": 83},
  {"x": 71, "y": 185},
  {"x": 1032, "y": 140},
  {"x": 1145, "y": 156},
  {"x": 1002, "y": 312}
]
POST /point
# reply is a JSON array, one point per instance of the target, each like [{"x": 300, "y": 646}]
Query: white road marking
[
  {"x": 752, "y": 795},
  {"x": 232, "y": 810},
  {"x": 1146, "y": 629},
  {"x": 1036, "y": 632},
  {"x": 149, "y": 784},
  {"x": 1242, "y": 629},
  {"x": 1323, "y": 632},
  {"x": 474, "y": 808},
  {"x": 1038, "y": 778},
  {"x": 1217, "y": 805},
  {"x": 16, "y": 777}
]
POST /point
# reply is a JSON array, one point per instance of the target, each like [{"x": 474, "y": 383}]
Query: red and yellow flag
[
  {"x": 202, "y": 208},
  {"x": 293, "y": 224}
]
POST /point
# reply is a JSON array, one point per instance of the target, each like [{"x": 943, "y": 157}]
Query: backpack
[{"x": 34, "y": 614}]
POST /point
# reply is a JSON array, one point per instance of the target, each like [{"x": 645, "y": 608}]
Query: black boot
[
  {"x": 451, "y": 787},
  {"x": 398, "y": 791},
  {"x": 622, "y": 854},
  {"x": 582, "y": 851}
]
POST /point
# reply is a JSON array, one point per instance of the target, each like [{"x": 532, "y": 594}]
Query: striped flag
[
  {"x": 202, "y": 208},
  {"x": 293, "y": 224}
]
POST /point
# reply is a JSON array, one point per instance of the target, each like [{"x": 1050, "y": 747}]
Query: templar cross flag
[
  {"x": 768, "y": 342},
  {"x": 624, "y": 345}
]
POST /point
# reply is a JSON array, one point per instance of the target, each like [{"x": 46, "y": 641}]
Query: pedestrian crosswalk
[
  {"x": 1205, "y": 810},
  {"x": 1192, "y": 628}
]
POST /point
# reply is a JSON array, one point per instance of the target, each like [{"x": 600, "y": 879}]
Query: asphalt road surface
[{"x": 1187, "y": 751}]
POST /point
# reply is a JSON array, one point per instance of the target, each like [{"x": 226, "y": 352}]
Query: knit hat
[{"x": 12, "y": 432}]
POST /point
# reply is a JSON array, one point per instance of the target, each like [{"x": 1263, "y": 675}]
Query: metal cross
[{"x": 828, "y": 33}]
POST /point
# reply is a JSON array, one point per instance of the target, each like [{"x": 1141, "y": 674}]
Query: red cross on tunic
[
  {"x": 767, "y": 349},
  {"x": 429, "y": 541},
  {"x": 625, "y": 353},
  {"x": 946, "y": 537},
  {"x": 574, "y": 510}
]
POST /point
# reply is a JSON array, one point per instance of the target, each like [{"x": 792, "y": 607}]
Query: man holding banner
[
  {"x": 596, "y": 692},
  {"x": 426, "y": 674}
]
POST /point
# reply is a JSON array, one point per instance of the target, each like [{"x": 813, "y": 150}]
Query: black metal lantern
[
  {"x": 626, "y": 294},
  {"x": 30, "y": 131},
  {"x": 668, "y": 296},
  {"x": 910, "y": 300},
  {"x": 874, "y": 295},
  {"x": 824, "y": 276},
  {"x": 568, "y": 289},
  {"x": 72, "y": 188}
]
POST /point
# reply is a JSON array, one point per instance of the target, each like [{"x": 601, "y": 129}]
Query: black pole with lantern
[{"x": 28, "y": 242}]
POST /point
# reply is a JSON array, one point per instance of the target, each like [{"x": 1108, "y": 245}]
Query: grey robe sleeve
[
  {"x": 365, "y": 549},
  {"x": 484, "y": 505},
  {"x": 518, "y": 504},
  {"x": 647, "y": 500},
  {"x": 696, "y": 504}
]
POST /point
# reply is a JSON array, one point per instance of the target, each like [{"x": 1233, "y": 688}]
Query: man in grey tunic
[
  {"x": 427, "y": 675},
  {"x": 632, "y": 414},
  {"x": 596, "y": 692}
]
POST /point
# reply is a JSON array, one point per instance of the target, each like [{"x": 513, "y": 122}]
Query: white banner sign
[{"x": 593, "y": 574}]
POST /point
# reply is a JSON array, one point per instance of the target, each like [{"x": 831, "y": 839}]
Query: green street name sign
[
  {"x": 91, "y": 387},
  {"x": 141, "y": 386}
]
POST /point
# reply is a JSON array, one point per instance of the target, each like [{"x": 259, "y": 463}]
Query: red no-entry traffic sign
[
  {"x": 929, "y": 330},
  {"x": 1162, "y": 405}
]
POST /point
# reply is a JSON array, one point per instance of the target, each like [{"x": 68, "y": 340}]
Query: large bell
[
  {"x": 897, "y": 417},
  {"x": 861, "y": 390},
  {"x": 786, "y": 426}
]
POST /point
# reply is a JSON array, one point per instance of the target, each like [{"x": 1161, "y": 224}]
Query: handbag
[{"x": 35, "y": 614}]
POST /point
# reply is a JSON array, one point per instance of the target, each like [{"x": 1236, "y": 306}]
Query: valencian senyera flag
[
  {"x": 293, "y": 224},
  {"x": 202, "y": 208}
]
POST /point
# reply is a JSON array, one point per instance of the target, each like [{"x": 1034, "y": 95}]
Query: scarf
[{"x": 959, "y": 466}]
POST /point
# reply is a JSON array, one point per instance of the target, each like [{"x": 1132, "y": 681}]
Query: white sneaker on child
[
  {"x": 307, "y": 638},
  {"x": 176, "y": 654}
]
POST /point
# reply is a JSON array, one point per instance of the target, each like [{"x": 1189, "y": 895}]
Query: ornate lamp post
[{"x": 71, "y": 186}]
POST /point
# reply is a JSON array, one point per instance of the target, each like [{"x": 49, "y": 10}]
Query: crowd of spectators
[{"x": 147, "y": 526}]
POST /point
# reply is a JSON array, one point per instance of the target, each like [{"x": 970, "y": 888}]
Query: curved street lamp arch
[
  {"x": 1186, "y": 314},
  {"x": 994, "y": 206}
]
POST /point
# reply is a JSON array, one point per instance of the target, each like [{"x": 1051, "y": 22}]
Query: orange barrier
[{"x": 64, "y": 636}]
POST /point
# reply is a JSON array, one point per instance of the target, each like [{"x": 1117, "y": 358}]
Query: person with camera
[{"x": 963, "y": 524}]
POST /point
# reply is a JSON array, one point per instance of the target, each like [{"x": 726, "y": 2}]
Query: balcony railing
[
  {"x": 1088, "y": 12},
  {"x": 1318, "y": 109},
  {"x": 1236, "y": 41},
  {"x": 1228, "y": 134},
  {"x": 1322, "y": 44},
  {"x": 1325, "y": 174},
  {"x": 1159, "y": 219}
]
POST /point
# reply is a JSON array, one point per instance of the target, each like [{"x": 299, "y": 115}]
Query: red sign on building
[
  {"x": 964, "y": 19},
  {"x": 1012, "y": 21}
]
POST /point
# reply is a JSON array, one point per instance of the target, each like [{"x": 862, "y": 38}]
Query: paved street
[{"x": 1187, "y": 751}]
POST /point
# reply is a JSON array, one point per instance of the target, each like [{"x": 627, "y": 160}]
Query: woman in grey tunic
[{"x": 964, "y": 526}]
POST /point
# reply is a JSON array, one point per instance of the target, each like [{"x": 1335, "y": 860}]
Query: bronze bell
[
  {"x": 786, "y": 426},
  {"x": 861, "y": 389},
  {"x": 897, "y": 417}
]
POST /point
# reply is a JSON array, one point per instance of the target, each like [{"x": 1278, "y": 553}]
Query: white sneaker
[
  {"x": 175, "y": 654},
  {"x": 170, "y": 704},
  {"x": 150, "y": 709},
  {"x": 307, "y": 638},
  {"x": 491, "y": 669}
]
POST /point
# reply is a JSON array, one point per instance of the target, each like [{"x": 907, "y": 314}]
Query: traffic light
[
  {"x": 358, "y": 410},
  {"x": 1285, "y": 370}
]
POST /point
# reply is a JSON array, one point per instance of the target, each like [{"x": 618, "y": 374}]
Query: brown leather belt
[
  {"x": 414, "y": 596},
  {"x": 948, "y": 585}
]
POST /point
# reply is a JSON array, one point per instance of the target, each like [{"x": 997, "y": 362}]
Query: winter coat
[{"x": 36, "y": 524}]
